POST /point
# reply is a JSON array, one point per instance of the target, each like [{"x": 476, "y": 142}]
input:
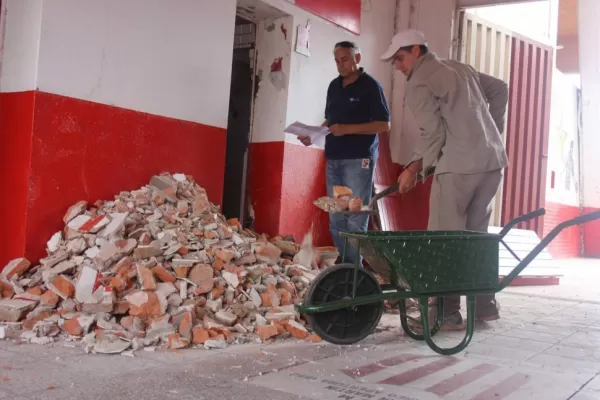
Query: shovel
[{"x": 369, "y": 209}]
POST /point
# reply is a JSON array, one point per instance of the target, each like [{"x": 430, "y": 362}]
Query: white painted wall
[
  {"x": 563, "y": 143},
  {"x": 271, "y": 106},
  {"x": 169, "y": 58},
  {"x": 589, "y": 64},
  {"x": 20, "y": 30},
  {"x": 309, "y": 77}
]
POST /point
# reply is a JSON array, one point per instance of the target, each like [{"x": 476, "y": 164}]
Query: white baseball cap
[{"x": 409, "y": 37}]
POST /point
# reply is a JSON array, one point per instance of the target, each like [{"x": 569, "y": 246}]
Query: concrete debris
[
  {"x": 158, "y": 266},
  {"x": 342, "y": 200}
]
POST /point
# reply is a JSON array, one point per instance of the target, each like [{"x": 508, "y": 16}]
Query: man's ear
[{"x": 358, "y": 58}]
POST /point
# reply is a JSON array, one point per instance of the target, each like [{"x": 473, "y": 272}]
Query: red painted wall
[
  {"x": 345, "y": 13},
  {"x": 286, "y": 178},
  {"x": 303, "y": 183},
  {"x": 16, "y": 125},
  {"x": 409, "y": 211},
  {"x": 591, "y": 236},
  {"x": 265, "y": 171},
  {"x": 568, "y": 243},
  {"x": 88, "y": 151}
]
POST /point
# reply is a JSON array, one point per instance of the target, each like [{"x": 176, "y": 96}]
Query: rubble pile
[
  {"x": 157, "y": 266},
  {"x": 343, "y": 200}
]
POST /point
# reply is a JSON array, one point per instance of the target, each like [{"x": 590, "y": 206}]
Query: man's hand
[
  {"x": 407, "y": 180},
  {"x": 338, "y": 130},
  {"x": 305, "y": 140}
]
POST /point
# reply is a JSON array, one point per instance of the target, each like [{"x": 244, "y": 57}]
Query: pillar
[
  {"x": 589, "y": 66},
  {"x": 20, "y": 25},
  {"x": 411, "y": 210}
]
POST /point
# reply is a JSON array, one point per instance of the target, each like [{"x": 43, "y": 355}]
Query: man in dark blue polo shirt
[{"x": 356, "y": 112}]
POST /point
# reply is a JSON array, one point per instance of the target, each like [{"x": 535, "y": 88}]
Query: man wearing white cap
[{"x": 460, "y": 115}]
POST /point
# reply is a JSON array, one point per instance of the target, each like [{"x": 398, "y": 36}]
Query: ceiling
[
  {"x": 256, "y": 10},
  {"x": 567, "y": 54},
  {"x": 567, "y": 18}
]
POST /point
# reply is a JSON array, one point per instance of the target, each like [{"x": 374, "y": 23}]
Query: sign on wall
[{"x": 302, "y": 39}]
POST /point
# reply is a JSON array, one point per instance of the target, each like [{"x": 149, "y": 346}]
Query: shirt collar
[{"x": 361, "y": 73}]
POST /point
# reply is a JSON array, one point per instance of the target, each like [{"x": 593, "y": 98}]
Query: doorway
[{"x": 240, "y": 117}]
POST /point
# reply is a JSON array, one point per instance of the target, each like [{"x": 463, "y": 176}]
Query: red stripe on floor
[
  {"x": 464, "y": 378},
  {"x": 503, "y": 389},
  {"x": 421, "y": 372},
  {"x": 378, "y": 366}
]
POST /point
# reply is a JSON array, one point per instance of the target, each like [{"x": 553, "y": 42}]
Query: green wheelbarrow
[{"x": 344, "y": 304}]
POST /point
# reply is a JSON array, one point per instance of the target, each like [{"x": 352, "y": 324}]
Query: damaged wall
[{"x": 121, "y": 95}]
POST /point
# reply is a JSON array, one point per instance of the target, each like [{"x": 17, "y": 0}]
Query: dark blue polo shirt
[{"x": 360, "y": 102}]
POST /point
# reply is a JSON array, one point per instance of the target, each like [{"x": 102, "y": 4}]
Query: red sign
[{"x": 345, "y": 13}]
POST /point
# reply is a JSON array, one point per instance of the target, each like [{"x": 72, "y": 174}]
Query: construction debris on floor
[
  {"x": 343, "y": 200},
  {"x": 157, "y": 266}
]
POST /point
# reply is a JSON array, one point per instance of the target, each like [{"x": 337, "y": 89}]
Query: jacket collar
[{"x": 427, "y": 57}]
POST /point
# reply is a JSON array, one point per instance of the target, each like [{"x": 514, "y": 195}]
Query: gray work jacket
[{"x": 460, "y": 114}]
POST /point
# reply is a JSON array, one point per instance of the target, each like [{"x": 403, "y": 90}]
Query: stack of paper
[{"x": 317, "y": 134}]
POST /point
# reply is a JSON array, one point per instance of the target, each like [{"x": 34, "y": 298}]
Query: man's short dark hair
[
  {"x": 353, "y": 47},
  {"x": 422, "y": 49}
]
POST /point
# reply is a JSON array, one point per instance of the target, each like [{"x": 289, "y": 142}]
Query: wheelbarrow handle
[
  {"x": 526, "y": 217},
  {"x": 392, "y": 189},
  {"x": 583, "y": 219}
]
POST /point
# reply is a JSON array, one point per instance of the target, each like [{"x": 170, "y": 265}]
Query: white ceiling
[{"x": 256, "y": 10}]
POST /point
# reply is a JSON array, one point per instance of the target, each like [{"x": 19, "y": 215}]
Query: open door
[
  {"x": 240, "y": 115},
  {"x": 526, "y": 65},
  {"x": 487, "y": 48}
]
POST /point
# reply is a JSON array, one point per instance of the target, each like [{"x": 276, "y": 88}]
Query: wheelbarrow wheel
[{"x": 348, "y": 325}]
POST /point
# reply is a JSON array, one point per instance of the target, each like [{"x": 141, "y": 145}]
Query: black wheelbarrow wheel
[{"x": 348, "y": 325}]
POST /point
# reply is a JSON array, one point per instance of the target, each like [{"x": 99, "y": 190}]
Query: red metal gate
[{"x": 528, "y": 128}]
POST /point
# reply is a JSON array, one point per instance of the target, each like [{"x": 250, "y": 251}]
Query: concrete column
[
  {"x": 589, "y": 65},
  {"x": 20, "y": 27},
  {"x": 410, "y": 211}
]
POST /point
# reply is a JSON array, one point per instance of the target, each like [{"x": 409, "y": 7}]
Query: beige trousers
[{"x": 463, "y": 202}]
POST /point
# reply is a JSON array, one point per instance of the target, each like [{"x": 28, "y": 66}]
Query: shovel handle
[{"x": 392, "y": 189}]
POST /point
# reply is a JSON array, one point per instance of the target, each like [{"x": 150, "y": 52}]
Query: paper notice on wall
[
  {"x": 317, "y": 134},
  {"x": 302, "y": 39}
]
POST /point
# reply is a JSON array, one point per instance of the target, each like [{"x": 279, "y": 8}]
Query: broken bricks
[{"x": 157, "y": 265}]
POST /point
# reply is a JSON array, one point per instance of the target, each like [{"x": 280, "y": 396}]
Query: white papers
[{"x": 317, "y": 134}]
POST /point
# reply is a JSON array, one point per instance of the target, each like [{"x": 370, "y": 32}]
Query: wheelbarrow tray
[{"x": 432, "y": 262}]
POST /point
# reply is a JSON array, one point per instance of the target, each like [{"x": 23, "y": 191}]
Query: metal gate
[
  {"x": 526, "y": 65},
  {"x": 487, "y": 48},
  {"x": 528, "y": 129}
]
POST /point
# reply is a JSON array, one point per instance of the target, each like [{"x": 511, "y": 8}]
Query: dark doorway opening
[{"x": 240, "y": 116}]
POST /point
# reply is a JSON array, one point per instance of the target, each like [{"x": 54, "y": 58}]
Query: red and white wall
[
  {"x": 563, "y": 183},
  {"x": 589, "y": 65},
  {"x": 96, "y": 97}
]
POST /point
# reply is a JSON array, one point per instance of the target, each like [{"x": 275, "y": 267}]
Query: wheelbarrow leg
[
  {"x": 468, "y": 336},
  {"x": 438, "y": 320}
]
